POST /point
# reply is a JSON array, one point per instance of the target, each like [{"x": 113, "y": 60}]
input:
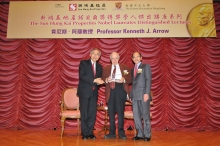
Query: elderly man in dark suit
[
  {"x": 141, "y": 97},
  {"x": 117, "y": 77},
  {"x": 90, "y": 72}
]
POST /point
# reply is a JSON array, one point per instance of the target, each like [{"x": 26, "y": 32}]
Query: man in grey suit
[{"x": 140, "y": 95}]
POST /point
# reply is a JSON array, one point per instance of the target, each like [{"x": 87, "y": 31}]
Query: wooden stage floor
[{"x": 52, "y": 138}]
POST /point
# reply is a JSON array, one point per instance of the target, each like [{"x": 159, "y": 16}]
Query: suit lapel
[
  {"x": 97, "y": 68},
  {"x": 121, "y": 69},
  {"x": 90, "y": 66},
  {"x": 109, "y": 71},
  {"x": 132, "y": 73}
]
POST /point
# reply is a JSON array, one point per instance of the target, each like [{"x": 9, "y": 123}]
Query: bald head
[{"x": 114, "y": 58}]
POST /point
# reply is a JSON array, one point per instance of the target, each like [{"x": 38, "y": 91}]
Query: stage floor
[{"x": 52, "y": 138}]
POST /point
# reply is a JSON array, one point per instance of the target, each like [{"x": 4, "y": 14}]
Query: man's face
[
  {"x": 136, "y": 58},
  {"x": 95, "y": 55},
  {"x": 203, "y": 17},
  {"x": 114, "y": 58}
]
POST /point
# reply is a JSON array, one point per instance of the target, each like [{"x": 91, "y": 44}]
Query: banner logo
[
  {"x": 72, "y": 7},
  {"x": 118, "y": 5}
]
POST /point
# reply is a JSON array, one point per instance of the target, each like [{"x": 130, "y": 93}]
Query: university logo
[
  {"x": 118, "y": 5},
  {"x": 72, "y": 7}
]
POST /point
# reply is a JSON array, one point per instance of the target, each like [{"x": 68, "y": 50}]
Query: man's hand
[
  {"x": 122, "y": 80},
  {"x": 146, "y": 97},
  {"x": 98, "y": 81},
  {"x": 108, "y": 79},
  {"x": 129, "y": 99}
]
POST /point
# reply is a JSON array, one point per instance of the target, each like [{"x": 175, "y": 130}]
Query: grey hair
[
  {"x": 116, "y": 53},
  {"x": 97, "y": 50}
]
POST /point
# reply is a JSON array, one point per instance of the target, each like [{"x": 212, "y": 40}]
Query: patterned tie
[
  {"x": 135, "y": 70},
  {"x": 112, "y": 84}
]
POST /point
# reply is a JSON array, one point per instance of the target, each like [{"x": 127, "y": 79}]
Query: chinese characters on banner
[{"x": 111, "y": 19}]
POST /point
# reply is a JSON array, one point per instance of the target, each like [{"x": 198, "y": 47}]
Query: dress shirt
[
  {"x": 94, "y": 64},
  {"x": 138, "y": 64},
  {"x": 118, "y": 71}
]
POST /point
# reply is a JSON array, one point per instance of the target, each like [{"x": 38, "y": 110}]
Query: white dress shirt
[
  {"x": 118, "y": 71},
  {"x": 94, "y": 64}
]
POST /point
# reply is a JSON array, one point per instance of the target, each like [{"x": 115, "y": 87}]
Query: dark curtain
[{"x": 185, "y": 83}]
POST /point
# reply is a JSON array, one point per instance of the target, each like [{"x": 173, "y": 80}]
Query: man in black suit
[{"x": 90, "y": 73}]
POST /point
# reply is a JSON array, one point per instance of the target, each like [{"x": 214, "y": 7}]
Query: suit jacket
[
  {"x": 141, "y": 84},
  {"x": 126, "y": 75},
  {"x": 86, "y": 78}
]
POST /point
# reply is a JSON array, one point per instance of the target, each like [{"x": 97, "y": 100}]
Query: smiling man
[
  {"x": 117, "y": 77},
  {"x": 90, "y": 72},
  {"x": 141, "y": 97}
]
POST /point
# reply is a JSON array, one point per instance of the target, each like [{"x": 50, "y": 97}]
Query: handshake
[{"x": 98, "y": 81}]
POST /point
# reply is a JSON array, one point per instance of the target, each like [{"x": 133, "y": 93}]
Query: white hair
[
  {"x": 115, "y": 53},
  {"x": 97, "y": 50}
]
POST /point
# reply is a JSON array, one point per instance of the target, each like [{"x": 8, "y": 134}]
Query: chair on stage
[
  {"x": 69, "y": 107},
  {"x": 105, "y": 126},
  {"x": 129, "y": 113}
]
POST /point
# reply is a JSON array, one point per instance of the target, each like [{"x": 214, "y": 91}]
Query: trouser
[{"x": 116, "y": 104}]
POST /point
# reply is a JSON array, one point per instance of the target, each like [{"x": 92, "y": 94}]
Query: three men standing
[
  {"x": 117, "y": 78},
  {"x": 141, "y": 97}
]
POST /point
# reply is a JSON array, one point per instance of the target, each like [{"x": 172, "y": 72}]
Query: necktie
[
  {"x": 135, "y": 70},
  {"x": 112, "y": 84},
  {"x": 93, "y": 69}
]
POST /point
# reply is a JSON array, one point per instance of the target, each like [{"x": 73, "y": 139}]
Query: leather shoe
[
  {"x": 122, "y": 137},
  {"x": 85, "y": 137},
  {"x": 110, "y": 136},
  {"x": 146, "y": 139},
  {"x": 92, "y": 136},
  {"x": 137, "y": 138}
]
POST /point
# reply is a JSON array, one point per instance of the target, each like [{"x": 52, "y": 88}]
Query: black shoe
[
  {"x": 92, "y": 136},
  {"x": 110, "y": 136},
  {"x": 146, "y": 139},
  {"x": 137, "y": 138},
  {"x": 85, "y": 137},
  {"x": 122, "y": 136}
]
